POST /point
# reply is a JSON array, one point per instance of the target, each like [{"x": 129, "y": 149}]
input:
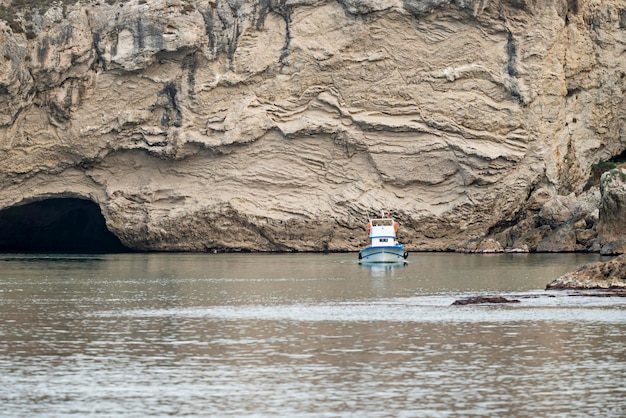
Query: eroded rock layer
[{"x": 280, "y": 125}]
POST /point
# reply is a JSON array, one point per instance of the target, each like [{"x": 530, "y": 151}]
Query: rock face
[
  {"x": 612, "y": 224},
  {"x": 277, "y": 125},
  {"x": 601, "y": 275}
]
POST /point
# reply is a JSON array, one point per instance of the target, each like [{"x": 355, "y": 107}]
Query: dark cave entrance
[
  {"x": 59, "y": 225},
  {"x": 619, "y": 159}
]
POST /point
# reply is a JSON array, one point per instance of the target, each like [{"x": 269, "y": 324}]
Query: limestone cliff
[{"x": 280, "y": 124}]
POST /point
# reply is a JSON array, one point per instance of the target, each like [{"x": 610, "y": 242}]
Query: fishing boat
[{"x": 383, "y": 247}]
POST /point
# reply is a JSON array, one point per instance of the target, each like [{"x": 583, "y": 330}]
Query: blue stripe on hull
[{"x": 382, "y": 254}]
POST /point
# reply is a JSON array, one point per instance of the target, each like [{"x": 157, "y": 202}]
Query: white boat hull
[{"x": 392, "y": 254}]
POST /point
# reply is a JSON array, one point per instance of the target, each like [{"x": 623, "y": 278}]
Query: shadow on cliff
[{"x": 60, "y": 225}]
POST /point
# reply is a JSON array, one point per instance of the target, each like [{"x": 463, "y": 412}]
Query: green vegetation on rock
[{"x": 602, "y": 167}]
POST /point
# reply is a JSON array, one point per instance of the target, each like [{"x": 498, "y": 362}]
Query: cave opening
[
  {"x": 619, "y": 158},
  {"x": 58, "y": 225}
]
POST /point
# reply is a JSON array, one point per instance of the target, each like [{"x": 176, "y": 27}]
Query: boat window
[
  {"x": 382, "y": 222},
  {"x": 383, "y": 240}
]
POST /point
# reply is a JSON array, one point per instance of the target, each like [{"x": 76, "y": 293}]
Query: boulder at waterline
[{"x": 601, "y": 275}]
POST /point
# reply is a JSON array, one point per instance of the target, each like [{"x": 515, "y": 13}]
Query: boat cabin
[{"x": 382, "y": 232}]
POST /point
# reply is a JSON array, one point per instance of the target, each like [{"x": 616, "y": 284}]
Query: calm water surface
[{"x": 304, "y": 335}]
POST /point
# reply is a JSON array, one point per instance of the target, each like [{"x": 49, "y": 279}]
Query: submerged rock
[
  {"x": 601, "y": 275},
  {"x": 475, "y": 300}
]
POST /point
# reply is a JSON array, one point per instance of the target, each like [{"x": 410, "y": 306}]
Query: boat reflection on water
[{"x": 383, "y": 269}]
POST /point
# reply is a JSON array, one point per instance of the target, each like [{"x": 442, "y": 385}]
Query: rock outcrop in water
[
  {"x": 482, "y": 299},
  {"x": 277, "y": 125},
  {"x": 602, "y": 275}
]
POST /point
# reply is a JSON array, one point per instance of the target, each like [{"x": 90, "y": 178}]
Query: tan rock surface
[
  {"x": 272, "y": 125},
  {"x": 612, "y": 222},
  {"x": 601, "y": 275}
]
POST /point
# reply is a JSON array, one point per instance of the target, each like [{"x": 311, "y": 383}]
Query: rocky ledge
[{"x": 610, "y": 275}]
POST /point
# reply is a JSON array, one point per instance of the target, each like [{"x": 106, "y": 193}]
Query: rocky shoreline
[
  {"x": 589, "y": 222},
  {"x": 609, "y": 275}
]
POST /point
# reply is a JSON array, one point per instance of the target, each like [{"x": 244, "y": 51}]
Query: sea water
[{"x": 305, "y": 335}]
